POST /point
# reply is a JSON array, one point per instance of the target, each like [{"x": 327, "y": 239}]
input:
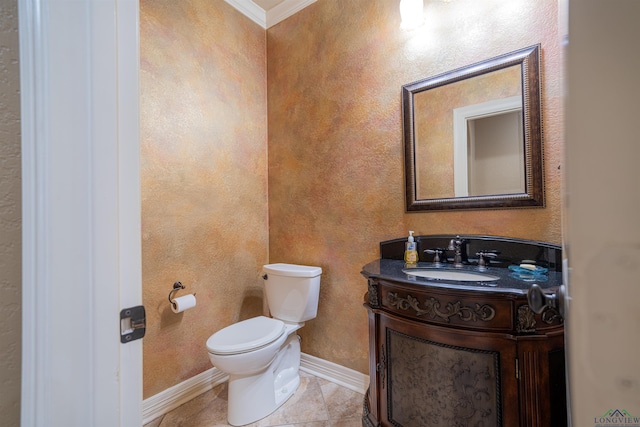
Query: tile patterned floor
[{"x": 316, "y": 403}]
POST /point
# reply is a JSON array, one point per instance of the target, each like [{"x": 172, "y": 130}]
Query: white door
[
  {"x": 602, "y": 228},
  {"x": 81, "y": 212}
]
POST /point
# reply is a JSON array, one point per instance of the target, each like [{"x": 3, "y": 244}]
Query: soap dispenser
[{"x": 411, "y": 251}]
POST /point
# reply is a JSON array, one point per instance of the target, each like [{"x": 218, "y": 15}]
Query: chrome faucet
[{"x": 456, "y": 245}]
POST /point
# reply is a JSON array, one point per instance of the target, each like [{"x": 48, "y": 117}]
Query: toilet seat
[{"x": 245, "y": 336}]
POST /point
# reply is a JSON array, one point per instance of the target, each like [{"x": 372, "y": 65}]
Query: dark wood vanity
[{"x": 447, "y": 353}]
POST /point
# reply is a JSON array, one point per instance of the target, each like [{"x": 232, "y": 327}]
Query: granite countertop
[{"x": 508, "y": 282}]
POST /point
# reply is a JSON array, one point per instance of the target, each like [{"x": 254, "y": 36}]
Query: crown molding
[
  {"x": 269, "y": 18},
  {"x": 251, "y": 11},
  {"x": 285, "y": 10}
]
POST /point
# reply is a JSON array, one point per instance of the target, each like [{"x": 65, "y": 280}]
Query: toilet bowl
[
  {"x": 262, "y": 354},
  {"x": 247, "y": 347}
]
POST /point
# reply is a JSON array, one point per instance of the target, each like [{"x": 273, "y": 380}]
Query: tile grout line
[{"x": 318, "y": 383}]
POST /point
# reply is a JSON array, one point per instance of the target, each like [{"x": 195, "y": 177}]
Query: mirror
[{"x": 473, "y": 137}]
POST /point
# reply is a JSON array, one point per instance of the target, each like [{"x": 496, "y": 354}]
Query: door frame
[{"x": 81, "y": 256}]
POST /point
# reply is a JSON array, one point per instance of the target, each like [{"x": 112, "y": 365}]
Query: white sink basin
[{"x": 458, "y": 276}]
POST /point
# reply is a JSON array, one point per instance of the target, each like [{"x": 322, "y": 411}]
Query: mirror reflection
[{"x": 472, "y": 136}]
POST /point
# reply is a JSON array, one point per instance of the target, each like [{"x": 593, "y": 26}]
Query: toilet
[{"x": 262, "y": 354}]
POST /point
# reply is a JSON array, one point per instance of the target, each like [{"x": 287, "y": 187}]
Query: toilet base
[{"x": 253, "y": 397}]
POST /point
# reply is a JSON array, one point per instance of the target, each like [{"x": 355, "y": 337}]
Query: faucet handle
[
  {"x": 437, "y": 252},
  {"x": 486, "y": 254}
]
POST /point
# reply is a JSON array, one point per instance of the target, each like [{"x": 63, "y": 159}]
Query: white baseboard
[
  {"x": 348, "y": 378},
  {"x": 171, "y": 398}
]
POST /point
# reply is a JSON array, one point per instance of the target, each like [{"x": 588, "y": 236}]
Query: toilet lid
[{"x": 246, "y": 335}]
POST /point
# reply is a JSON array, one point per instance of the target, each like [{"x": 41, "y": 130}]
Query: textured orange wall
[
  {"x": 336, "y": 185},
  {"x": 204, "y": 177},
  {"x": 335, "y": 164}
]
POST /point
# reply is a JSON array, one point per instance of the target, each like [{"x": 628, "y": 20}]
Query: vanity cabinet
[{"x": 461, "y": 354}]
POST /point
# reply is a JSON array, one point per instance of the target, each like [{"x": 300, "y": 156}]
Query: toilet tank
[{"x": 292, "y": 291}]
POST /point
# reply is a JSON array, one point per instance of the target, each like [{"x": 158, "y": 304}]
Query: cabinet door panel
[{"x": 436, "y": 376}]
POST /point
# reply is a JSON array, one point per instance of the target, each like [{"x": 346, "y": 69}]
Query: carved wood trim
[
  {"x": 550, "y": 315},
  {"x": 484, "y": 312},
  {"x": 374, "y": 299},
  {"x": 526, "y": 319}
]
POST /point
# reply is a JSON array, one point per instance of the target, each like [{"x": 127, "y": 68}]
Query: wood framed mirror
[{"x": 473, "y": 136}]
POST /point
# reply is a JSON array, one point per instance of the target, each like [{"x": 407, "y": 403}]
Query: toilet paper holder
[{"x": 176, "y": 287}]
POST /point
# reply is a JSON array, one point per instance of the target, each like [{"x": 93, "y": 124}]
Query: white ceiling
[{"x": 268, "y": 13}]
